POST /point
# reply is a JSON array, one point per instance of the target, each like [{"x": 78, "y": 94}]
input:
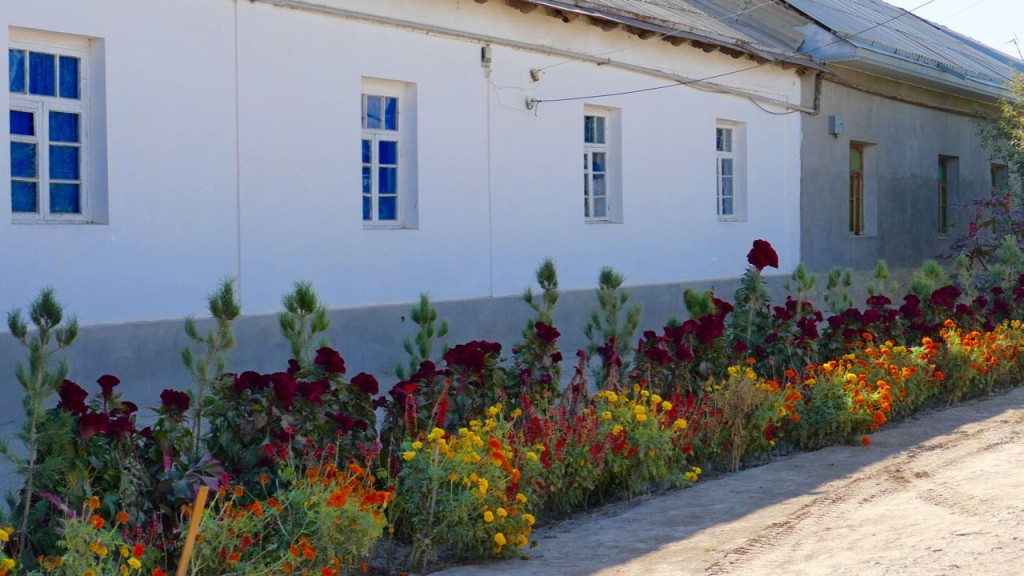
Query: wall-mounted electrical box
[{"x": 835, "y": 125}]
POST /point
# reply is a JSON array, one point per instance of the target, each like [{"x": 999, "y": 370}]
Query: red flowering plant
[
  {"x": 250, "y": 411},
  {"x": 476, "y": 380},
  {"x": 537, "y": 370}
]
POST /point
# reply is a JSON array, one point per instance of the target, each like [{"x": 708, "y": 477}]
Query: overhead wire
[{"x": 538, "y": 101}]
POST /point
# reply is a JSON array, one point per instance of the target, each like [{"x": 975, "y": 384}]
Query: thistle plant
[
  {"x": 303, "y": 322},
  {"x": 430, "y": 331},
  {"x": 39, "y": 379},
  {"x": 611, "y": 327},
  {"x": 208, "y": 366}
]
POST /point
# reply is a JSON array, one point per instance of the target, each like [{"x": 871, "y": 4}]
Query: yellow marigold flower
[
  {"x": 529, "y": 519},
  {"x": 7, "y": 564},
  {"x": 408, "y": 456},
  {"x": 499, "y": 539},
  {"x": 655, "y": 399},
  {"x": 435, "y": 434},
  {"x": 502, "y": 513},
  {"x": 475, "y": 424},
  {"x": 616, "y": 429},
  {"x": 134, "y": 563},
  {"x": 488, "y": 516},
  {"x": 417, "y": 445},
  {"x": 493, "y": 410},
  {"x": 640, "y": 417},
  {"x": 522, "y": 540},
  {"x": 639, "y": 408},
  {"x": 606, "y": 415},
  {"x": 531, "y": 456},
  {"x": 666, "y": 405},
  {"x": 517, "y": 413},
  {"x": 88, "y": 573},
  {"x": 123, "y": 570},
  {"x": 125, "y": 552},
  {"x": 690, "y": 476},
  {"x": 679, "y": 424},
  {"x": 611, "y": 396},
  {"x": 4, "y": 535},
  {"x": 483, "y": 487},
  {"x": 521, "y": 498},
  {"x": 453, "y": 477}
]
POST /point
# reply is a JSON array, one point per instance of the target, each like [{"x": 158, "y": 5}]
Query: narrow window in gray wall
[
  {"x": 856, "y": 189},
  {"x": 948, "y": 181},
  {"x": 999, "y": 178}
]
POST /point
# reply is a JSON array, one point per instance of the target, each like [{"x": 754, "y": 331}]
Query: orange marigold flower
[
  {"x": 158, "y": 572},
  {"x": 93, "y": 503},
  {"x": 122, "y": 517},
  {"x": 339, "y": 498},
  {"x": 138, "y": 550},
  {"x": 263, "y": 479},
  {"x": 234, "y": 557},
  {"x": 238, "y": 491},
  {"x": 97, "y": 522},
  {"x": 256, "y": 509},
  {"x": 865, "y": 441},
  {"x": 880, "y": 417}
]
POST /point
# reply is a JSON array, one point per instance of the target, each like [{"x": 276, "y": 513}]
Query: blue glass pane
[
  {"x": 22, "y": 123},
  {"x": 23, "y": 160},
  {"x": 387, "y": 180},
  {"x": 588, "y": 129},
  {"x": 727, "y": 206},
  {"x": 391, "y": 113},
  {"x": 64, "y": 127},
  {"x": 387, "y": 208},
  {"x": 599, "y": 129},
  {"x": 367, "y": 180},
  {"x": 372, "y": 113},
  {"x": 42, "y": 74},
  {"x": 367, "y": 206},
  {"x": 68, "y": 77},
  {"x": 598, "y": 160},
  {"x": 367, "y": 151},
  {"x": 64, "y": 199},
  {"x": 24, "y": 197},
  {"x": 16, "y": 70},
  {"x": 726, "y": 167},
  {"x": 64, "y": 162},
  {"x": 387, "y": 153},
  {"x": 600, "y": 207},
  {"x": 599, "y": 185}
]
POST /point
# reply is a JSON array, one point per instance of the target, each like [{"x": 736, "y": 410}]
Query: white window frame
[
  {"x": 405, "y": 139},
  {"x": 40, "y": 107},
  {"x": 590, "y": 199},
  {"x": 736, "y": 156}
]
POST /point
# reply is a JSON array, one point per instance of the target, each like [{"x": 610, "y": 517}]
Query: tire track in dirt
[{"x": 897, "y": 475}]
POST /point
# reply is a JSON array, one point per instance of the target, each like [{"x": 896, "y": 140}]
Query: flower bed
[{"x": 471, "y": 447}]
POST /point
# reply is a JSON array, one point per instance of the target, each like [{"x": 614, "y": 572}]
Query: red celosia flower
[
  {"x": 72, "y": 397},
  {"x": 90, "y": 425},
  {"x": 366, "y": 382},
  {"x": 107, "y": 384},
  {"x": 762, "y": 255},
  {"x": 330, "y": 360},
  {"x": 175, "y": 402}
]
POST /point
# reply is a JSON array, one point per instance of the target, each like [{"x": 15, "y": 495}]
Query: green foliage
[
  {"x": 837, "y": 290},
  {"x": 39, "y": 379},
  {"x": 801, "y": 282},
  {"x": 925, "y": 280},
  {"x": 698, "y": 304},
  {"x": 881, "y": 286},
  {"x": 751, "y": 318},
  {"x": 421, "y": 348},
  {"x": 544, "y": 308},
  {"x": 304, "y": 319},
  {"x": 611, "y": 328},
  {"x": 208, "y": 366}
]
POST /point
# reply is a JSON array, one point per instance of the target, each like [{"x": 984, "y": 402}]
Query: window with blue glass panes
[
  {"x": 380, "y": 158},
  {"x": 46, "y": 125}
]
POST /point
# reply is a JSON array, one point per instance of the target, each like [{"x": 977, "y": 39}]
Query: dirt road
[{"x": 939, "y": 494}]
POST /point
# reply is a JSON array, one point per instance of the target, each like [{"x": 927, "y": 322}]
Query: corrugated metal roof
[{"x": 879, "y": 27}]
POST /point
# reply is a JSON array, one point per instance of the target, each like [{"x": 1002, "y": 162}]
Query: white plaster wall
[
  {"x": 499, "y": 187},
  {"x": 170, "y": 143}
]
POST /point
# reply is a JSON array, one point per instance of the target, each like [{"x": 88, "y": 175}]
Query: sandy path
[{"x": 940, "y": 494}]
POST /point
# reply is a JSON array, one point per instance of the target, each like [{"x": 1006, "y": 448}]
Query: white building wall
[{"x": 274, "y": 199}]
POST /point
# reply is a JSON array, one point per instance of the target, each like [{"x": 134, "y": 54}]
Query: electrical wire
[{"x": 538, "y": 101}]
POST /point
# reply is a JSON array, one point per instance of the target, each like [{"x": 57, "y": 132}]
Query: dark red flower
[
  {"x": 366, "y": 382},
  {"x": 72, "y": 397},
  {"x": 330, "y": 360},
  {"x": 945, "y": 297},
  {"x": 313, "y": 391},
  {"x": 879, "y": 300},
  {"x": 911, "y": 308},
  {"x": 808, "y": 327},
  {"x": 175, "y": 402},
  {"x": 251, "y": 380},
  {"x": 284, "y": 389},
  {"x": 294, "y": 366},
  {"x": 762, "y": 255},
  {"x": 92, "y": 424},
  {"x": 120, "y": 426},
  {"x": 129, "y": 407},
  {"x": 107, "y": 383},
  {"x": 556, "y": 357},
  {"x": 546, "y": 333}
]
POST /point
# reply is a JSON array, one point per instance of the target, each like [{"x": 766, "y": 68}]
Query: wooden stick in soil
[{"x": 193, "y": 529}]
